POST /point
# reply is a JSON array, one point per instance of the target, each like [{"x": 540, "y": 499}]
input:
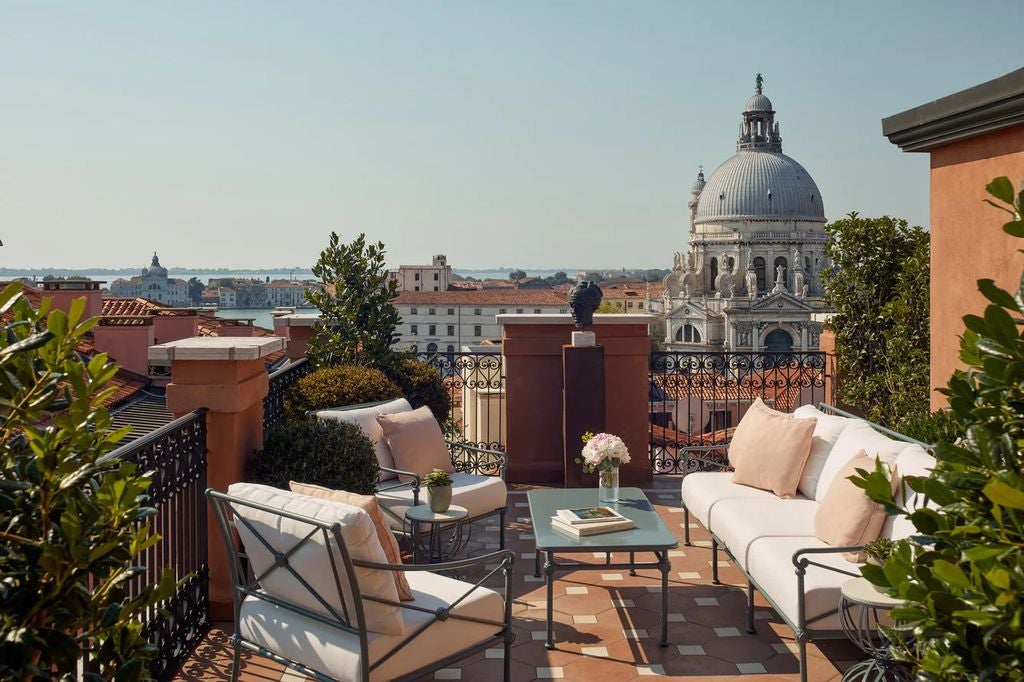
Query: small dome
[
  {"x": 759, "y": 102},
  {"x": 761, "y": 185},
  {"x": 698, "y": 184},
  {"x": 155, "y": 269}
]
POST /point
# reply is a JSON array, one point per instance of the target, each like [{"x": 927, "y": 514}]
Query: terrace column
[
  {"x": 298, "y": 329},
  {"x": 228, "y": 377},
  {"x": 532, "y": 346}
]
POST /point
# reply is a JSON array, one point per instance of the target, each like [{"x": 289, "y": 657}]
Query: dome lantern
[{"x": 758, "y": 129}]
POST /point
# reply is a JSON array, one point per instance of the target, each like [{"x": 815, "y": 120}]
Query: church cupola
[
  {"x": 759, "y": 131},
  {"x": 695, "y": 190}
]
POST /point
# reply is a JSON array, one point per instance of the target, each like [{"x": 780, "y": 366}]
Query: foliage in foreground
[
  {"x": 880, "y": 288},
  {"x": 71, "y": 521},
  {"x": 963, "y": 577},
  {"x": 337, "y": 387}
]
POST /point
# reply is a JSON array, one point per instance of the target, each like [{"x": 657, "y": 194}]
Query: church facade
[
  {"x": 751, "y": 277},
  {"x": 155, "y": 285}
]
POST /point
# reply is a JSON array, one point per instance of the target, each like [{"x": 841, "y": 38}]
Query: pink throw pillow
[
  {"x": 846, "y": 516},
  {"x": 369, "y": 504},
  {"x": 769, "y": 449},
  {"x": 416, "y": 442}
]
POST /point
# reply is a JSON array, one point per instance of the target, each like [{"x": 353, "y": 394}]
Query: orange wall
[
  {"x": 967, "y": 240},
  {"x": 167, "y": 328},
  {"x": 126, "y": 344}
]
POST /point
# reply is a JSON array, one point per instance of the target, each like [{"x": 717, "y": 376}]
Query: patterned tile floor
[{"x": 607, "y": 624}]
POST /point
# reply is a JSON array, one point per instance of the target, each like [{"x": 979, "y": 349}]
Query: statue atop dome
[{"x": 759, "y": 80}]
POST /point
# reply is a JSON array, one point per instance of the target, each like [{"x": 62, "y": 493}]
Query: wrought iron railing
[
  {"x": 697, "y": 398},
  {"x": 273, "y": 404},
  {"x": 176, "y": 454},
  {"x": 475, "y": 382}
]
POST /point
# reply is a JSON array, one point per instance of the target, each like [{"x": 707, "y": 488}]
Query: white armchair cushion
[
  {"x": 311, "y": 559},
  {"x": 703, "y": 490},
  {"x": 854, "y": 438},
  {"x": 913, "y": 460},
  {"x": 738, "y": 523},
  {"x": 826, "y": 433},
  {"x": 478, "y": 494},
  {"x": 336, "y": 653},
  {"x": 366, "y": 419}
]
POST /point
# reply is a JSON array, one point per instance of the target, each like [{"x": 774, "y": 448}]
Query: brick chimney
[{"x": 63, "y": 291}]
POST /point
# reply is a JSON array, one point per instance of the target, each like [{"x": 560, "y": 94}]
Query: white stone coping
[
  {"x": 296, "y": 320},
  {"x": 216, "y": 348},
  {"x": 563, "y": 318}
]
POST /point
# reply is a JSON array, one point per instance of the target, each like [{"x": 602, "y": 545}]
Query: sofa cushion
[
  {"x": 770, "y": 566},
  {"x": 856, "y": 437},
  {"x": 478, "y": 494},
  {"x": 912, "y": 460},
  {"x": 371, "y": 506},
  {"x": 366, "y": 419},
  {"x": 702, "y": 491},
  {"x": 826, "y": 432},
  {"x": 846, "y": 516},
  {"x": 769, "y": 449},
  {"x": 416, "y": 442},
  {"x": 738, "y": 523},
  {"x": 283, "y": 534},
  {"x": 336, "y": 653}
]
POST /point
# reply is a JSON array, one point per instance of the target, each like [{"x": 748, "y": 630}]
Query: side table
[
  {"x": 860, "y": 609},
  {"x": 437, "y": 549}
]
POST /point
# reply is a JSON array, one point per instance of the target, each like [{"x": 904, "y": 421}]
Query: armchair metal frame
[
  {"x": 466, "y": 458},
  {"x": 802, "y": 559},
  {"x": 246, "y": 585}
]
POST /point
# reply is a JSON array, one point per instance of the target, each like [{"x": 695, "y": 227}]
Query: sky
[{"x": 503, "y": 134}]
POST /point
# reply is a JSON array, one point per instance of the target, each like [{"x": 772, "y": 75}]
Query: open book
[{"x": 585, "y": 529}]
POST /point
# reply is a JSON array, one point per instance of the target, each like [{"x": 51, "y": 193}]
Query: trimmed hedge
[
  {"x": 420, "y": 383},
  {"x": 335, "y": 387}
]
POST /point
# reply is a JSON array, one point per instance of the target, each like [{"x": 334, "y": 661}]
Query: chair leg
[
  {"x": 501, "y": 527},
  {"x": 236, "y": 658},
  {"x": 750, "y": 607},
  {"x": 801, "y": 641},
  {"x": 507, "y": 664},
  {"x": 714, "y": 562},
  {"x": 686, "y": 526}
]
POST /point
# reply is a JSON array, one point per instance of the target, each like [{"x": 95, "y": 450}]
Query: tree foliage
[
  {"x": 879, "y": 288},
  {"x": 72, "y": 520},
  {"x": 337, "y": 387},
  {"x": 358, "y": 321},
  {"x": 963, "y": 577},
  {"x": 195, "y": 290},
  {"x": 517, "y": 275}
]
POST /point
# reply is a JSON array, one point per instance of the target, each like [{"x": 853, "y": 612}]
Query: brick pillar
[
  {"x": 298, "y": 329},
  {"x": 229, "y": 378},
  {"x": 532, "y": 346}
]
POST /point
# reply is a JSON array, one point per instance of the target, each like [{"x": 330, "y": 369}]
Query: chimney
[
  {"x": 174, "y": 325},
  {"x": 126, "y": 339},
  {"x": 64, "y": 291}
]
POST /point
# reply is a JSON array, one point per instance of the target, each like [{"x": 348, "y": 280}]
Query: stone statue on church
[
  {"x": 780, "y": 280},
  {"x": 798, "y": 283},
  {"x": 751, "y": 283}
]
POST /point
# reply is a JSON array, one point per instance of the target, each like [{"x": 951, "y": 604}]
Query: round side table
[
  {"x": 861, "y": 609},
  {"x": 436, "y": 548}
]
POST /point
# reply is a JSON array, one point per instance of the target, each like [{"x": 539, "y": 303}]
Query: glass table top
[{"x": 650, "y": 532}]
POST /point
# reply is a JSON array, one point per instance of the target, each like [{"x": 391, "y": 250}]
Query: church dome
[
  {"x": 759, "y": 102},
  {"x": 155, "y": 269},
  {"x": 761, "y": 185}
]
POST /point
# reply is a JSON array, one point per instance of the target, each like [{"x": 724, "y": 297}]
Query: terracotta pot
[{"x": 439, "y": 497}]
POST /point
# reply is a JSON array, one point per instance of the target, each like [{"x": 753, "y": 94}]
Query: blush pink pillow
[
  {"x": 769, "y": 449},
  {"x": 846, "y": 517},
  {"x": 369, "y": 504},
  {"x": 416, "y": 442}
]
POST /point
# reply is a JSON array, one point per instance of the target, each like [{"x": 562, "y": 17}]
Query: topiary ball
[
  {"x": 336, "y": 387},
  {"x": 421, "y": 384},
  {"x": 327, "y": 452}
]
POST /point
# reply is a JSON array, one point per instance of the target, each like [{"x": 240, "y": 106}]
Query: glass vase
[{"x": 608, "y": 484}]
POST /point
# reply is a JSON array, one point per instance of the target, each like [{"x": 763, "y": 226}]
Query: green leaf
[
  {"x": 951, "y": 574},
  {"x": 989, "y": 290},
  {"x": 1001, "y": 188},
  {"x": 1004, "y": 495}
]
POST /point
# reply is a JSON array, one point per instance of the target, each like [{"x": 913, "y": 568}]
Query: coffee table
[{"x": 650, "y": 535}]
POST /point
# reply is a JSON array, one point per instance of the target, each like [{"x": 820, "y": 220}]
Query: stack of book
[{"x": 589, "y": 521}]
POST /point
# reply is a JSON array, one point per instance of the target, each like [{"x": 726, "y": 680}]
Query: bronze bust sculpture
[{"x": 584, "y": 299}]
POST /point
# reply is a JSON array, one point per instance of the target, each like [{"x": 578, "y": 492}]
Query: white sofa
[{"x": 772, "y": 540}]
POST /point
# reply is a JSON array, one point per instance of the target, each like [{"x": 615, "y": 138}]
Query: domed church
[{"x": 751, "y": 277}]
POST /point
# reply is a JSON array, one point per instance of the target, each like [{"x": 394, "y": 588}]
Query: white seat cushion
[
  {"x": 335, "y": 653},
  {"x": 478, "y": 494},
  {"x": 854, "y": 438},
  {"x": 702, "y": 490},
  {"x": 770, "y": 564},
  {"x": 913, "y": 460},
  {"x": 366, "y": 419},
  {"x": 738, "y": 523},
  {"x": 283, "y": 534},
  {"x": 826, "y": 433}
]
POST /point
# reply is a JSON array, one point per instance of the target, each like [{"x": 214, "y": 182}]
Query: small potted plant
[
  {"x": 879, "y": 550},
  {"x": 439, "y": 490}
]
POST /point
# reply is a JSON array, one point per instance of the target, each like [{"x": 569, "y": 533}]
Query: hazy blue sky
[{"x": 536, "y": 134}]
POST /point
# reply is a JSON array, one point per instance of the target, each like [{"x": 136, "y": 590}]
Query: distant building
[
  {"x": 154, "y": 285},
  {"x": 288, "y": 293},
  {"x": 434, "y": 277},
  {"x": 243, "y": 293}
]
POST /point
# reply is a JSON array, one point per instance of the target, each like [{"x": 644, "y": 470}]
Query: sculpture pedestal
[{"x": 583, "y": 407}]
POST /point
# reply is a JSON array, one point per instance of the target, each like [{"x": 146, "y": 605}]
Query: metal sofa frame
[
  {"x": 246, "y": 585},
  {"x": 802, "y": 559}
]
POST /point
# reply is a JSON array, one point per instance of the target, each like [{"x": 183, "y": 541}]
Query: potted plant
[
  {"x": 439, "y": 490},
  {"x": 879, "y": 550}
]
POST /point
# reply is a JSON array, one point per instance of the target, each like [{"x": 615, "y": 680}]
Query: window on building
[
  {"x": 431, "y": 348},
  {"x": 502, "y": 311},
  {"x": 435, "y": 276},
  {"x": 417, "y": 287},
  {"x": 759, "y": 272},
  {"x": 435, "y": 288},
  {"x": 432, "y": 311},
  {"x": 714, "y": 273},
  {"x": 433, "y": 330},
  {"x": 414, "y": 329},
  {"x": 476, "y": 311},
  {"x": 451, "y": 330},
  {"x": 688, "y": 334},
  {"x": 451, "y": 311},
  {"x": 412, "y": 311},
  {"x": 477, "y": 330},
  {"x": 629, "y": 304},
  {"x": 519, "y": 311},
  {"x": 785, "y": 269},
  {"x": 563, "y": 310},
  {"x": 416, "y": 277},
  {"x": 640, "y": 305},
  {"x": 536, "y": 311}
]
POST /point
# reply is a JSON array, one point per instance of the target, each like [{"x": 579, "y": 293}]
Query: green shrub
[
  {"x": 335, "y": 387},
  {"x": 940, "y": 426},
  {"x": 327, "y": 452},
  {"x": 421, "y": 384},
  {"x": 963, "y": 578}
]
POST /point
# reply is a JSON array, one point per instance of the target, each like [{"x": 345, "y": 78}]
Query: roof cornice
[{"x": 983, "y": 108}]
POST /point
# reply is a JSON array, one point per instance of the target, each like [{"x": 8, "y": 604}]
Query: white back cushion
[
  {"x": 913, "y": 460},
  {"x": 312, "y": 560},
  {"x": 366, "y": 419},
  {"x": 826, "y": 432},
  {"x": 857, "y": 436}
]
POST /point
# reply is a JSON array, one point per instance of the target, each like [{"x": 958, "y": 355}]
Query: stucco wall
[{"x": 967, "y": 241}]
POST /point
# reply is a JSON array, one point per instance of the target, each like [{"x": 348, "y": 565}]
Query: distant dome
[
  {"x": 760, "y": 185},
  {"x": 155, "y": 269},
  {"x": 759, "y": 102},
  {"x": 698, "y": 184}
]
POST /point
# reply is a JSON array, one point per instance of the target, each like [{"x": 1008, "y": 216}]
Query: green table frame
[{"x": 650, "y": 535}]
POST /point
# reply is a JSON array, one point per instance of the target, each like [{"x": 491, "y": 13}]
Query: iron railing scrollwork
[
  {"x": 697, "y": 398},
  {"x": 176, "y": 454},
  {"x": 273, "y": 404},
  {"x": 475, "y": 382}
]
